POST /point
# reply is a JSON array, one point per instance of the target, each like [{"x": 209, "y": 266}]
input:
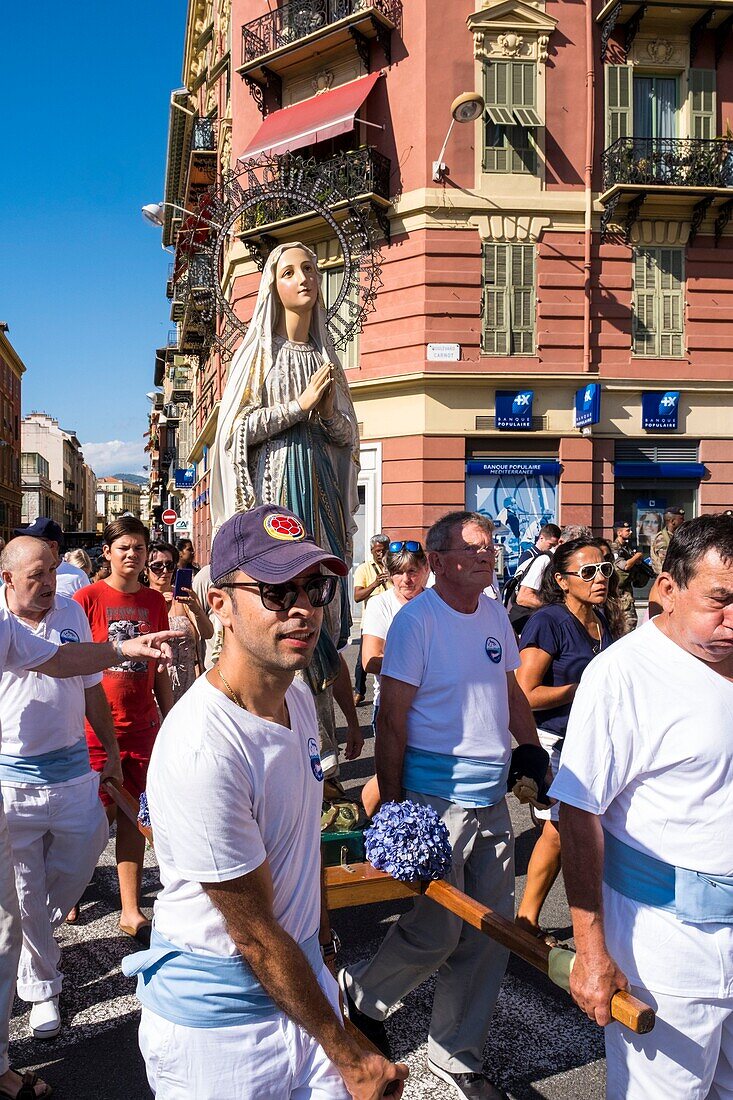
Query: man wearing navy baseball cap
[
  {"x": 69, "y": 579},
  {"x": 238, "y": 972}
]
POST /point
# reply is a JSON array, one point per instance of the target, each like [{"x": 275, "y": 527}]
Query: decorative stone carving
[
  {"x": 660, "y": 50},
  {"x": 322, "y": 81},
  {"x": 510, "y": 28},
  {"x": 509, "y": 227},
  {"x": 510, "y": 44},
  {"x": 659, "y": 232}
]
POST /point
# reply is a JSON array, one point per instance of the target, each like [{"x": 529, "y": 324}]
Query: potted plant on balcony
[{"x": 726, "y": 157}]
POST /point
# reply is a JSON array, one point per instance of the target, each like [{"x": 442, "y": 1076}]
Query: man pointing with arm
[{"x": 21, "y": 649}]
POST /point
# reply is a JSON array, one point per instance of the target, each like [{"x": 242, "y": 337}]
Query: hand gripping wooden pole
[{"x": 360, "y": 883}]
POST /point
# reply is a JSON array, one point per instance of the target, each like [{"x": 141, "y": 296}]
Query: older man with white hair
[
  {"x": 57, "y": 825},
  {"x": 23, "y": 648}
]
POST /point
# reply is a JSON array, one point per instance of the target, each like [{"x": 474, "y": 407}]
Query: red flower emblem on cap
[{"x": 285, "y": 528}]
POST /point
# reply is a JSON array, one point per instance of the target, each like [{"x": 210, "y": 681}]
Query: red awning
[{"x": 323, "y": 116}]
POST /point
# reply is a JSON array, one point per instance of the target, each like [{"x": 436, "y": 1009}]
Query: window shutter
[
  {"x": 618, "y": 103},
  {"x": 522, "y": 299},
  {"x": 497, "y": 97},
  {"x": 644, "y": 329},
  {"x": 496, "y": 313},
  {"x": 671, "y": 285},
  {"x": 658, "y": 322},
  {"x": 520, "y": 149},
  {"x": 702, "y": 103}
]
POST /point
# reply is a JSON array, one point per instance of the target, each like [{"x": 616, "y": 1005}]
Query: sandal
[
  {"x": 141, "y": 934},
  {"x": 27, "y": 1090}
]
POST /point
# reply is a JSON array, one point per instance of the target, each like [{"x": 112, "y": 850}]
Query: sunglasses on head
[
  {"x": 589, "y": 572},
  {"x": 406, "y": 544},
  {"x": 160, "y": 567},
  {"x": 320, "y": 590}
]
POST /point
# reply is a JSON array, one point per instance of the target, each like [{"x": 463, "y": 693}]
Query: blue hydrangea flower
[
  {"x": 409, "y": 842},
  {"x": 144, "y": 813}
]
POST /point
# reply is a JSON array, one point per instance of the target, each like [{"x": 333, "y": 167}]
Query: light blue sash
[
  {"x": 197, "y": 990},
  {"x": 48, "y": 768},
  {"x": 692, "y": 896},
  {"x": 457, "y": 779}
]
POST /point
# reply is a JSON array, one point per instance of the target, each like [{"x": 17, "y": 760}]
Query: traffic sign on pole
[{"x": 169, "y": 517}]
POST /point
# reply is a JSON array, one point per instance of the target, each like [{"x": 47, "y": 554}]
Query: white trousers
[
  {"x": 10, "y": 938},
  {"x": 57, "y": 834},
  {"x": 269, "y": 1059},
  {"x": 688, "y": 1055},
  {"x": 685, "y": 972}
]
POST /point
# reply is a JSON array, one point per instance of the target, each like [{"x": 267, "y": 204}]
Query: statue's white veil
[{"x": 230, "y": 486}]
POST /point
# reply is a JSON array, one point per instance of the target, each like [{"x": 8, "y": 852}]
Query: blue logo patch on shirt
[
  {"x": 68, "y": 635},
  {"x": 493, "y": 650},
  {"x": 315, "y": 759}
]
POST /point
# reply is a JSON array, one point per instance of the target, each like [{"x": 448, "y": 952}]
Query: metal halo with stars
[{"x": 256, "y": 196}]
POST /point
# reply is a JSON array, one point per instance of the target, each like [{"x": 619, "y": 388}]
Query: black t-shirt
[{"x": 556, "y": 631}]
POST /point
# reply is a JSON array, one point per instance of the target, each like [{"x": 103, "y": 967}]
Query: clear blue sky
[{"x": 86, "y": 88}]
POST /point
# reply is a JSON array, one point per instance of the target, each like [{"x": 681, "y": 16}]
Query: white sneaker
[{"x": 45, "y": 1021}]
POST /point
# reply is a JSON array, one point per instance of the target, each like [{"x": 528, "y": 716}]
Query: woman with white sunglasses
[{"x": 557, "y": 644}]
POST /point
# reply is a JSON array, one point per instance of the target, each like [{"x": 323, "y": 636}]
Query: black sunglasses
[
  {"x": 409, "y": 544},
  {"x": 588, "y": 572},
  {"x": 281, "y": 597},
  {"x": 160, "y": 567}
]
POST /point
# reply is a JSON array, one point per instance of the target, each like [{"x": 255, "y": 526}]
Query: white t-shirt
[
  {"x": 649, "y": 746},
  {"x": 533, "y": 576},
  {"x": 20, "y": 647},
  {"x": 69, "y": 579},
  {"x": 458, "y": 664},
  {"x": 377, "y": 619},
  {"x": 227, "y": 791},
  {"x": 41, "y": 714}
]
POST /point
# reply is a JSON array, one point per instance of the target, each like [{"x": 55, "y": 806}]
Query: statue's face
[{"x": 296, "y": 281}]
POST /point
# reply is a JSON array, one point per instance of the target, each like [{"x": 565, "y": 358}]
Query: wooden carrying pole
[
  {"x": 353, "y": 885},
  {"x": 125, "y": 802}
]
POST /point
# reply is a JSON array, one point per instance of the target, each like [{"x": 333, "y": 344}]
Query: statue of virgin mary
[{"x": 287, "y": 431}]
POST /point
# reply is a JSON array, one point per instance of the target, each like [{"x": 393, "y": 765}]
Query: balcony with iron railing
[
  {"x": 642, "y": 177},
  {"x": 294, "y": 31},
  {"x": 202, "y": 155},
  {"x": 359, "y": 175}
]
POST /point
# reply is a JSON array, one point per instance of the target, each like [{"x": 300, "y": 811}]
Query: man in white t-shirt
[
  {"x": 56, "y": 822},
  {"x": 69, "y": 579},
  {"x": 21, "y": 648},
  {"x": 237, "y": 1000},
  {"x": 646, "y": 786},
  {"x": 449, "y": 705}
]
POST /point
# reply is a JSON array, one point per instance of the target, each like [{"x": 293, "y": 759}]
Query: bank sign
[
  {"x": 588, "y": 405},
  {"x": 659, "y": 410},
  {"x": 186, "y": 477},
  {"x": 514, "y": 409}
]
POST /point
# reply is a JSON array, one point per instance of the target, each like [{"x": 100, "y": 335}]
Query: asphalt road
[{"x": 539, "y": 1045}]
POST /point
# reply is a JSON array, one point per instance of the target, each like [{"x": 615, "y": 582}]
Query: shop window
[
  {"x": 508, "y": 299},
  {"x": 510, "y": 92},
  {"x": 658, "y": 306}
]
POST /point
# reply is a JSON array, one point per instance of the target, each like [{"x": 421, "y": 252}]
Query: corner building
[{"x": 552, "y": 337}]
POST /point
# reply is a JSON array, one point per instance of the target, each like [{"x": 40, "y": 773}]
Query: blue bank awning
[{"x": 650, "y": 470}]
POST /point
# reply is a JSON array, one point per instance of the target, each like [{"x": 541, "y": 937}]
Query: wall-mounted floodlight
[{"x": 467, "y": 107}]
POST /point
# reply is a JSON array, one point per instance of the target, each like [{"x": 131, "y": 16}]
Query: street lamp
[{"x": 466, "y": 107}]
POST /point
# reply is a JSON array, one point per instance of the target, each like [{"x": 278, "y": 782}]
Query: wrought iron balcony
[
  {"x": 203, "y": 135},
  {"x": 362, "y": 174},
  {"x": 642, "y": 175},
  {"x": 270, "y": 41},
  {"x": 359, "y": 172},
  {"x": 670, "y": 162}
]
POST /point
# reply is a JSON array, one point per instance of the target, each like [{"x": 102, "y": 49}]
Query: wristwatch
[
  {"x": 331, "y": 949},
  {"x": 117, "y": 647}
]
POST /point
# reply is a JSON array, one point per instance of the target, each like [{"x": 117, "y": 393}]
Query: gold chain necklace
[{"x": 230, "y": 689}]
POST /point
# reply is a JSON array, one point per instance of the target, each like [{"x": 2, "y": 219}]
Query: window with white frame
[
  {"x": 658, "y": 307},
  {"x": 508, "y": 299}
]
